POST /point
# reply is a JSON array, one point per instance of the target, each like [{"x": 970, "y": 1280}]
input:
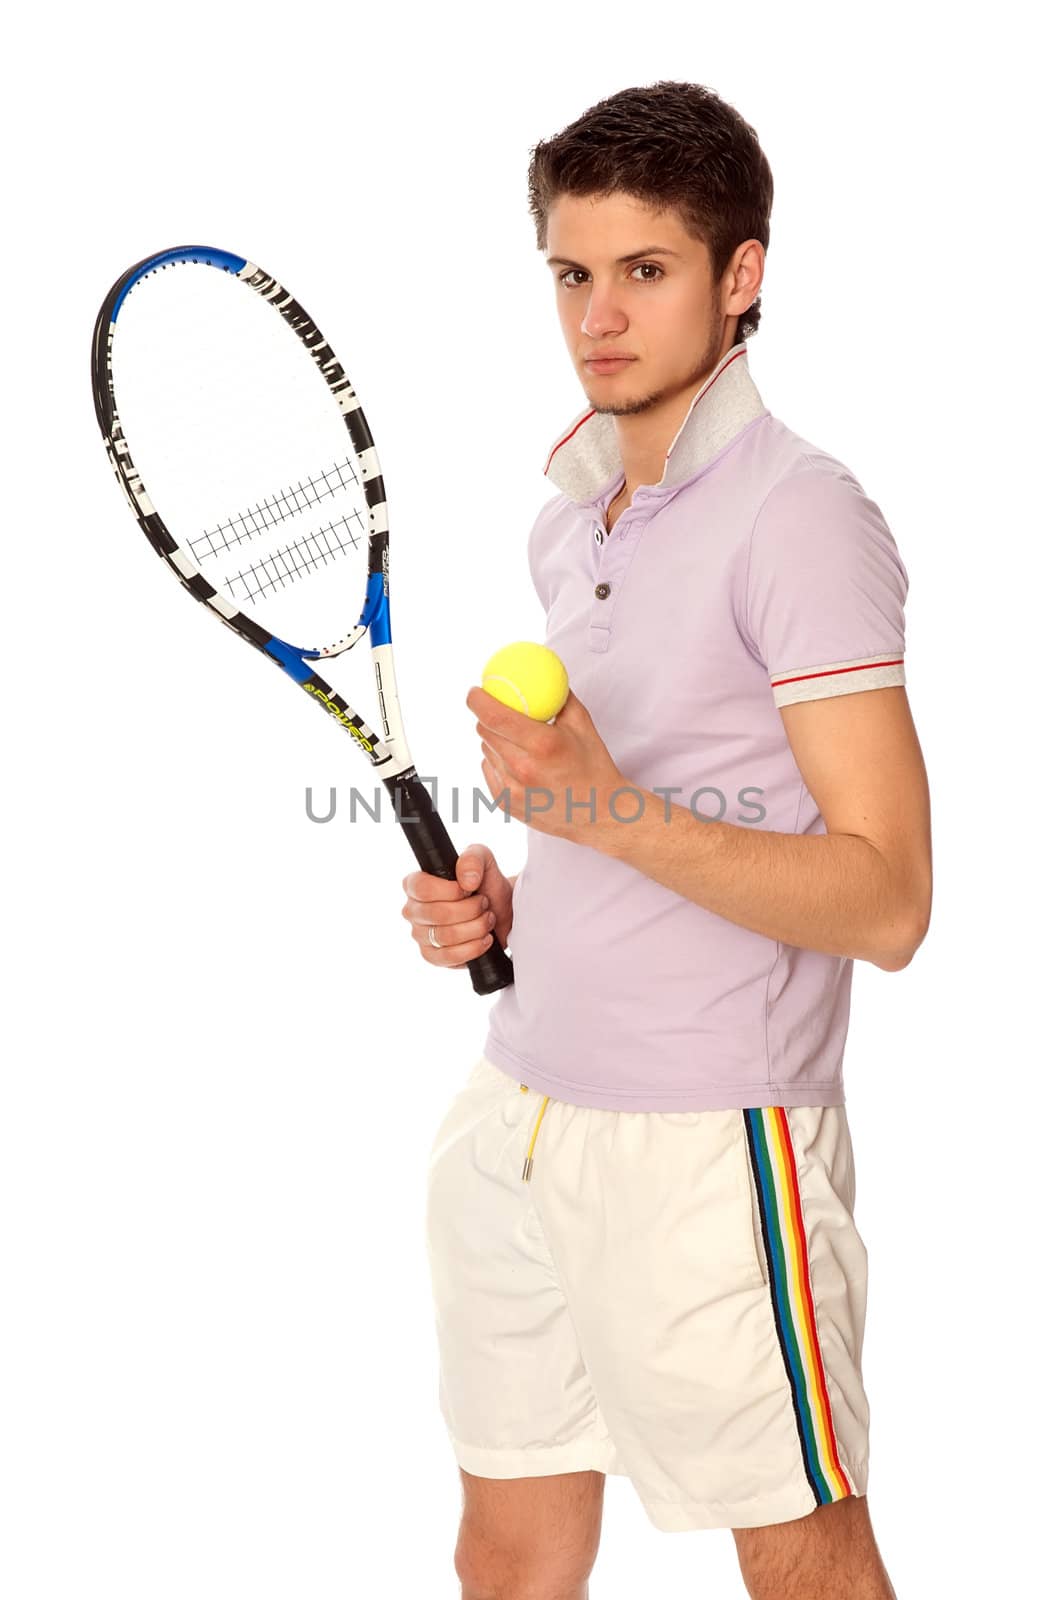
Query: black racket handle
[{"x": 435, "y": 852}]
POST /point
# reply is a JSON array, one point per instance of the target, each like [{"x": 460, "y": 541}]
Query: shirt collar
[{"x": 586, "y": 458}]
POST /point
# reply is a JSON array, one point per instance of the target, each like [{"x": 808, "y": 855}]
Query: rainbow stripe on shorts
[{"x": 779, "y": 1198}]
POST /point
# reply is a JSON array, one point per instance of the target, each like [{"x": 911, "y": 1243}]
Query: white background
[{"x": 224, "y": 1062}]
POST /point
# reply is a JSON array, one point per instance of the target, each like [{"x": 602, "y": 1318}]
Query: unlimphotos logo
[{"x": 341, "y": 716}]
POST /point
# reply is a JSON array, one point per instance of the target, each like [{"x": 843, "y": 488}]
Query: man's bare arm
[{"x": 863, "y": 889}]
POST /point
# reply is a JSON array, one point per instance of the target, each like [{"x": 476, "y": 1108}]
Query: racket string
[
  {"x": 293, "y": 561},
  {"x": 275, "y": 509}
]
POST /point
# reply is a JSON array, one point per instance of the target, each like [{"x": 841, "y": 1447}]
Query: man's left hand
[{"x": 559, "y": 775}]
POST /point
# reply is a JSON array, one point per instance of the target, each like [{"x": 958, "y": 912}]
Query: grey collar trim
[{"x": 587, "y": 457}]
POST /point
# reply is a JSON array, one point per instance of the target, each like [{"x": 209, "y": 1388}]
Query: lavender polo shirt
[{"x": 755, "y": 573}]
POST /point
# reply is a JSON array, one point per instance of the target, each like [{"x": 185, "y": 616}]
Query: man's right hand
[{"x": 463, "y": 915}]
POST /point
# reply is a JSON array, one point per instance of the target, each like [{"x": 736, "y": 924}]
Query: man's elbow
[{"x": 902, "y": 941}]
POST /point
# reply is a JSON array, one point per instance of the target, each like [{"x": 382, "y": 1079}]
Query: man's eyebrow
[{"x": 621, "y": 261}]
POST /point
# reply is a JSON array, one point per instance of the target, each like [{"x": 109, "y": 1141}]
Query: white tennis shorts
[{"x": 676, "y": 1297}]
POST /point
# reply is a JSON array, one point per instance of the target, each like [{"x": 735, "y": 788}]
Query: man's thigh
[
  {"x": 516, "y": 1531},
  {"x": 829, "y": 1555},
  {"x": 712, "y": 1268}
]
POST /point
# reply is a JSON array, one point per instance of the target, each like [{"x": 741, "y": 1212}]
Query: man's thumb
[{"x": 471, "y": 866}]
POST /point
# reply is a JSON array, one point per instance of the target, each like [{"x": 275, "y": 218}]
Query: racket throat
[{"x": 392, "y": 733}]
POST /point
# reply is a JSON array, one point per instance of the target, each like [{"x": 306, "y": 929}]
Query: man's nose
[{"x": 602, "y": 315}]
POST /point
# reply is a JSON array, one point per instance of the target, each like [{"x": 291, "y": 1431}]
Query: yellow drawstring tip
[
  {"x": 524, "y": 1088},
  {"x": 526, "y": 1174}
]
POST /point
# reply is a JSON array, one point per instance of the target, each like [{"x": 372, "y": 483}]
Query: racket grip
[{"x": 435, "y": 852}]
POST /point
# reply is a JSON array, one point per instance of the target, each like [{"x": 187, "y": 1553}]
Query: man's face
[{"x": 658, "y": 307}]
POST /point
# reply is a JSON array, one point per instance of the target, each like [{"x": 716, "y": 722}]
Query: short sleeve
[{"x": 825, "y": 589}]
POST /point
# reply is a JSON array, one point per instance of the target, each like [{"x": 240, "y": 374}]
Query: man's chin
[{"x": 622, "y": 408}]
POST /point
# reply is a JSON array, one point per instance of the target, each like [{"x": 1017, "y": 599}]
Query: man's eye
[{"x": 640, "y": 266}]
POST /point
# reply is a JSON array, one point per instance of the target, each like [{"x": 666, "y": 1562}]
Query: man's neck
[
  {"x": 616, "y": 506},
  {"x": 585, "y": 462},
  {"x": 643, "y": 437}
]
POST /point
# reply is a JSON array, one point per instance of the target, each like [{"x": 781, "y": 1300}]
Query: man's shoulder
[
  {"x": 788, "y": 455},
  {"x": 553, "y": 519},
  {"x": 774, "y": 454}
]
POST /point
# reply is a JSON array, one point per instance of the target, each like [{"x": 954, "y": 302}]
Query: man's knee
[{"x": 529, "y": 1538}]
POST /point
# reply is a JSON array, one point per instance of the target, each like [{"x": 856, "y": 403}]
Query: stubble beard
[{"x": 698, "y": 373}]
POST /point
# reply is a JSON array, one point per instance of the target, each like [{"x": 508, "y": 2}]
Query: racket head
[{"x": 244, "y": 451}]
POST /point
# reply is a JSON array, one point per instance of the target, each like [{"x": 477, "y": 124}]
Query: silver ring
[{"x": 432, "y": 940}]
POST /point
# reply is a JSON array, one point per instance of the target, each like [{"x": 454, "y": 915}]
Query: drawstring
[{"x": 526, "y": 1173}]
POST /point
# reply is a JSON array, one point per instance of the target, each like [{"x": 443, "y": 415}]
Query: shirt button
[
  {"x": 601, "y": 591},
  {"x": 597, "y": 535}
]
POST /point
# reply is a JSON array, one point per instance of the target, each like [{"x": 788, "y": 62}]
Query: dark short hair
[{"x": 669, "y": 145}]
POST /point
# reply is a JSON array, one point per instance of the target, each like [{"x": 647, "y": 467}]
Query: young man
[{"x": 640, "y": 1227}]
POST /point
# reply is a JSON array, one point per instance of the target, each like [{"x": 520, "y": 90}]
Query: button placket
[{"x": 613, "y": 562}]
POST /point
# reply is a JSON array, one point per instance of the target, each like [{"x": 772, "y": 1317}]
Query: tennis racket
[{"x": 245, "y": 454}]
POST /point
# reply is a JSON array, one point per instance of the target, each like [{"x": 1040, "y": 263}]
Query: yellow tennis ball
[{"x": 529, "y": 678}]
